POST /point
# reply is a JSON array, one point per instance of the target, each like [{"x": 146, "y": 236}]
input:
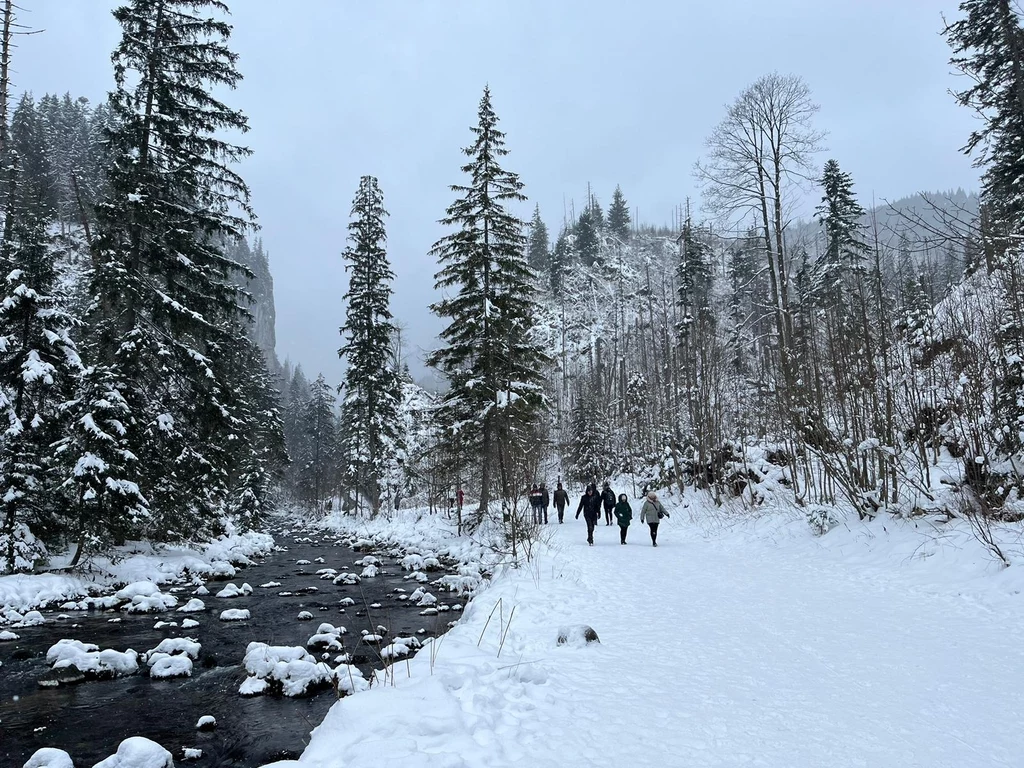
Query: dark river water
[{"x": 89, "y": 720}]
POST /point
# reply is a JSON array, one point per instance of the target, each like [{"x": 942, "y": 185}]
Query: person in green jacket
[{"x": 623, "y": 513}]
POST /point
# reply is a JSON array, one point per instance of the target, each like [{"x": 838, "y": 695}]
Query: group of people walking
[
  {"x": 592, "y": 503},
  {"x": 540, "y": 502}
]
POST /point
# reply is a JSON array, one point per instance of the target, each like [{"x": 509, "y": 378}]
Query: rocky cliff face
[{"x": 261, "y": 286}]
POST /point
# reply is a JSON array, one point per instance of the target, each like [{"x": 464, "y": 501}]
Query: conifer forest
[{"x": 738, "y": 350}]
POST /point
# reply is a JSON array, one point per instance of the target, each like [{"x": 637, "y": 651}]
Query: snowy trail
[
  {"x": 714, "y": 652},
  {"x": 761, "y": 660}
]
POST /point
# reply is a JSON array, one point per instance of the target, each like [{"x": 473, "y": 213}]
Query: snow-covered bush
[
  {"x": 27, "y": 549},
  {"x": 822, "y": 519}
]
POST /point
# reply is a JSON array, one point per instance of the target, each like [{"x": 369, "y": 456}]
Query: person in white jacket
[{"x": 651, "y": 513}]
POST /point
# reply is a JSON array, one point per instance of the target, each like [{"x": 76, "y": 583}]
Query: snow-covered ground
[
  {"x": 733, "y": 643},
  {"x": 136, "y": 563}
]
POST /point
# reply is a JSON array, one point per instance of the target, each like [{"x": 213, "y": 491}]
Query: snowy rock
[
  {"x": 145, "y": 597},
  {"x": 372, "y": 639},
  {"x": 6, "y": 636},
  {"x": 174, "y": 646},
  {"x": 66, "y": 675},
  {"x": 202, "y": 592},
  {"x": 191, "y": 753},
  {"x": 229, "y": 591},
  {"x": 346, "y": 602},
  {"x": 68, "y": 649},
  {"x": 302, "y": 562},
  {"x": 291, "y": 669},
  {"x": 349, "y": 579},
  {"x": 206, "y": 723},
  {"x": 235, "y": 614},
  {"x": 246, "y": 589},
  {"x": 428, "y": 612},
  {"x": 222, "y": 571},
  {"x": 138, "y": 752},
  {"x": 48, "y": 757},
  {"x": 189, "y": 624},
  {"x": 30, "y": 619},
  {"x": 426, "y": 600},
  {"x": 304, "y": 616},
  {"x": 370, "y": 571},
  {"x": 171, "y": 666},
  {"x": 195, "y": 605},
  {"x": 270, "y": 584},
  {"x": 578, "y": 635}
]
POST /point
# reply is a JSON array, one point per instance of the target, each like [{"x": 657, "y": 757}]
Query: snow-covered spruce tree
[
  {"x": 167, "y": 309},
  {"x": 693, "y": 275},
  {"x": 369, "y": 431},
  {"x": 491, "y": 360},
  {"x": 846, "y": 250},
  {"x": 988, "y": 47},
  {"x": 538, "y": 250},
  {"x": 319, "y": 461},
  {"x": 39, "y": 362},
  {"x": 587, "y": 243},
  {"x": 618, "y": 216},
  {"x": 560, "y": 262}
]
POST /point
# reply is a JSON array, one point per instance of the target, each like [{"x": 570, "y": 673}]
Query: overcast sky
[{"x": 598, "y": 91}]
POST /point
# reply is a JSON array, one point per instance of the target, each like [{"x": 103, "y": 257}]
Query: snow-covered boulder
[
  {"x": 577, "y": 635},
  {"x": 346, "y": 602},
  {"x": 232, "y": 590},
  {"x": 195, "y": 605},
  {"x": 191, "y": 753},
  {"x": 235, "y": 614},
  {"x": 370, "y": 571},
  {"x": 144, "y": 597},
  {"x": 426, "y": 600},
  {"x": 222, "y": 571},
  {"x": 189, "y": 624},
  {"x": 304, "y": 616},
  {"x": 7, "y": 636},
  {"x": 290, "y": 669},
  {"x": 347, "y": 578},
  {"x": 138, "y": 752},
  {"x": 328, "y": 637},
  {"x": 175, "y": 646},
  {"x": 164, "y": 666},
  {"x": 48, "y": 757},
  {"x": 206, "y": 723}
]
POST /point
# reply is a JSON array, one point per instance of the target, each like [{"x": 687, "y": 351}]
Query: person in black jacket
[
  {"x": 590, "y": 506},
  {"x": 535, "y": 498},
  {"x": 545, "y": 500},
  {"x": 608, "y": 498},
  {"x": 561, "y": 502}
]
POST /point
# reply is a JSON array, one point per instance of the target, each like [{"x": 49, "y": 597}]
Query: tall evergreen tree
[
  {"x": 538, "y": 251},
  {"x": 618, "y": 216},
  {"x": 988, "y": 47},
  {"x": 845, "y": 248},
  {"x": 491, "y": 360},
  {"x": 372, "y": 391},
  {"x": 167, "y": 304},
  {"x": 693, "y": 274},
  {"x": 39, "y": 361},
  {"x": 318, "y": 462},
  {"x": 561, "y": 261},
  {"x": 587, "y": 242}
]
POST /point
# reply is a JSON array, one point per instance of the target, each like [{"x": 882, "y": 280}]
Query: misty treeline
[{"x": 870, "y": 359}]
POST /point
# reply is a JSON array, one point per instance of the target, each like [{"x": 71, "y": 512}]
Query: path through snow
[{"x": 711, "y": 654}]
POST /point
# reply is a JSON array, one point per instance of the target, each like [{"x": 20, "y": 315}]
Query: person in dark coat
[
  {"x": 561, "y": 499},
  {"x": 590, "y": 506},
  {"x": 535, "y": 500},
  {"x": 545, "y": 501},
  {"x": 608, "y": 499},
  {"x": 623, "y": 514}
]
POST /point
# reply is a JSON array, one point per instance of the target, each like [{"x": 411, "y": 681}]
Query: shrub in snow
[
  {"x": 27, "y": 549},
  {"x": 206, "y": 723},
  {"x": 48, "y": 757},
  {"x": 138, "y": 752},
  {"x": 822, "y": 520},
  {"x": 195, "y": 605},
  {"x": 577, "y": 636},
  {"x": 235, "y": 614},
  {"x": 163, "y": 666}
]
